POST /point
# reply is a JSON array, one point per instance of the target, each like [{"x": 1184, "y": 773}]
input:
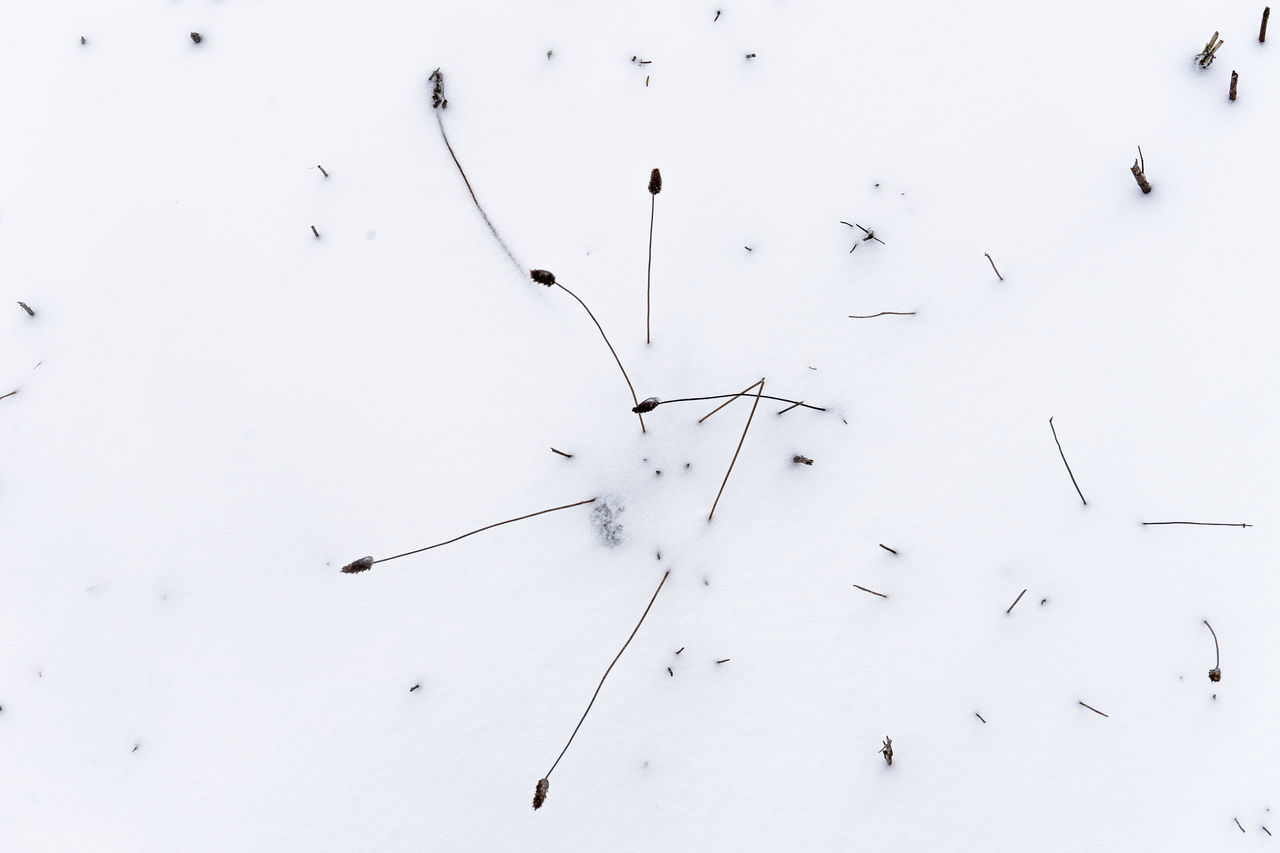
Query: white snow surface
[{"x": 217, "y": 411}]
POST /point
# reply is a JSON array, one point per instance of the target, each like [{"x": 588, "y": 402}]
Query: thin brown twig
[
  {"x": 979, "y": 716},
  {"x": 1015, "y": 602},
  {"x": 887, "y": 548},
  {"x": 492, "y": 230},
  {"x": 1064, "y": 462},
  {"x": 881, "y": 314},
  {"x": 482, "y": 529},
  {"x": 993, "y": 266},
  {"x": 634, "y": 398},
  {"x": 648, "y": 276},
  {"x": 10, "y": 394},
  {"x": 1093, "y": 709},
  {"x": 562, "y": 453},
  {"x": 872, "y": 591},
  {"x": 1199, "y": 523},
  {"x": 606, "y": 673},
  {"x": 789, "y": 408},
  {"x": 732, "y": 397},
  {"x": 739, "y": 450},
  {"x": 1237, "y": 820}
]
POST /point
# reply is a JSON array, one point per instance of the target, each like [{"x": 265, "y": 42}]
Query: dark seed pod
[
  {"x": 540, "y": 795},
  {"x": 647, "y": 405},
  {"x": 655, "y": 182},
  {"x": 1215, "y": 675},
  {"x": 363, "y": 564},
  {"x": 197, "y": 38},
  {"x": 438, "y": 100},
  {"x": 801, "y": 460},
  {"x": 543, "y": 277}
]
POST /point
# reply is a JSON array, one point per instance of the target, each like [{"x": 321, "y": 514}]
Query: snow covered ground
[{"x": 217, "y": 411}]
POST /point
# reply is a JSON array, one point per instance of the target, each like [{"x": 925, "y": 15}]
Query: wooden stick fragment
[
  {"x": 1139, "y": 169},
  {"x": 887, "y": 548},
  {"x": 1262, "y": 37},
  {"x": 1231, "y": 93},
  {"x": 562, "y": 453},
  {"x": 739, "y": 450},
  {"x": 1015, "y": 602},
  {"x": 872, "y": 591},
  {"x": 1093, "y": 709},
  {"x": 544, "y": 783},
  {"x": 993, "y": 266}
]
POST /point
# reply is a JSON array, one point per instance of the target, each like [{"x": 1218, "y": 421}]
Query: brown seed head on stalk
[
  {"x": 438, "y": 100},
  {"x": 363, "y": 564},
  {"x": 1215, "y": 675},
  {"x": 655, "y": 182},
  {"x": 543, "y": 277},
  {"x": 646, "y": 405},
  {"x": 540, "y": 795}
]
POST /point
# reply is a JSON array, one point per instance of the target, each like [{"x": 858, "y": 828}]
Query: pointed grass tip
[
  {"x": 543, "y": 277},
  {"x": 363, "y": 564}
]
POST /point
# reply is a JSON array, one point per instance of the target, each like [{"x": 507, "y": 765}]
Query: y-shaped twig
[{"x": 739, "y": 450}]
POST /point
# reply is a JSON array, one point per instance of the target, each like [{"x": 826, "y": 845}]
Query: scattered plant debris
[
  {"x": 887, "y": 750},
  {"x": 1206, "y": 56},
  {"x": 799, "y": 459}
]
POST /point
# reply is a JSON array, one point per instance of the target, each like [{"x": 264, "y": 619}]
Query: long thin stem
[
  {"x": 503, "y": 243},
  {"x": 482, "y": 529},
  {"x": 606, "y": 674},
  {"x": 993, "y": 266},
  {"x": 634, "y": 398},
  {"x": 1064, "y": 462},
  {"x": 1217, "y": 653},
  {"x": 1200, "y": 523},
  {"x": 881, "y": 314},
  {"x": 739, "y": 450},
  {"x": 10, "y": 394},
  {"x": 731, "y": 398},
  {"x": 648, "y": 287}
]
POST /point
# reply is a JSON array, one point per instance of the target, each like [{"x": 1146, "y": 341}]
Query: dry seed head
[
  {"x": 646, "y": 405},
  {"x": 1215, "y": 675},
  {"x": 363, "y": 564},
  {"x": 543, "y": 277},
  {"x": 655, "y": 182},
  {"x": 197, "y": 38},
  {"x": 540, "y": 795}
]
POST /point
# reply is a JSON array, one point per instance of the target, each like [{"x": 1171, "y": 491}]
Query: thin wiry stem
[
  {"x": 993, "y": 266},
  {"x": 606, "y": 674},
  {"x": 482, "y": 529},
  {"x": 1064, "y": 462},
  {"x": 1199, "y": 523},
  {"x": 881, "y": 314},
  {"x": 634, "y": 398},
  {"x": 732, "y": 397},
  {"x": 739, "y": 450},
  {"x": 1217, "y": 653},
  {"x": 648, "y": 287},
  {"x": 503, "y": 243}
]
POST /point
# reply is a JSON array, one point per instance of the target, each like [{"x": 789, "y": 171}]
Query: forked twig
[
  {"x": 544, "y": 783},
  {"x": 366, "y": 563},
  {"x": 739, "y": 450}
]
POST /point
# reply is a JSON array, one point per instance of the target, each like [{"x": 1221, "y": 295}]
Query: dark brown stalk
[
  {"x": 322, "y": 171},
  {"x": 872, "y": 591},
  {"x": 655, "y": 187},
  {"x": 1262, "y": 33},
  {"x": 1198, "y": 523},
  {"x": 1139, "y": 169},
  {"x": 492, "y": 230},
  {"x": 10, "y": 394},
  {"x": 887, "y": 548},
  {"x": 1231, "y": 93},
  {"x": 1064, "y": 462},
  {"x": 1215, "y": 674},
  {"x": 993, "y": 266},
  {"x": 739, "y": 450},
  {"x": 562, "y": 453},
  {"x": 634, "y": 398},
  {"x": 1093, "y": 709},
  {"x": 652, "y": 403},
  {"x": 1015, "y": 602},
  {"x": 602, "y": 678},
  {"x": 367, "y": 563}
]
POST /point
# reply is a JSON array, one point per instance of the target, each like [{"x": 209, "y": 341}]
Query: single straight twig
[
  {"x": 322, "y": 171},
  {"x": 315, "y": 232},
  {"x": 993, "y": 266},
  {"x": 979, "y": 716},
  {"x": 789, "y": 408},
  {"x": 887, "y": 548},
  {"x": 655, "y": 187},
  {"x": 634, "y": 398},
  {"x": 739, "y": 450},
  {"x": 1231, "y": 93},
  {"x": 562, "y": 453},
  {"x": 10, "y": 394},
  {"x": 1237, "y": 820},
  {"x": 1262, "y": 37},
  {"x": 492, "y": 230},
  {"x": 27, "y": 308},
  {"x": 600, "y": 685},
  {"x": 1064, "y": 462},
  {"x": 1139, "y": 169},
  {"x": 365, "y": 563},
  {"x": 1215, "y": 674},
  {"x": 872, "y": 591},
  {"x": 1093, "y": 709},
  {"x": 1015, "y": 602},
  {"x": 1198, "y": 523},
  {"x": 881, "y": 314}
]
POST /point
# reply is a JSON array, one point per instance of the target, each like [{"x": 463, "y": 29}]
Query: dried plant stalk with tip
[
  {"x": 540, "y": 794},
  {"x": 887, "y": 750},
  {"x": 655, "y": 187},
  {"x": 1206, "y": 56},
  {"x": 1215, "y": 674}
]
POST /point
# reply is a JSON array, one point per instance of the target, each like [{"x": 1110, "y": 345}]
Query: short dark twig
[
  {"x": 993, "y": 266},
  {"x": 979, "y": 716},
  {"x": 27, "y": 308},
  {"x": 366, "y": 563},
  {"x": 315, "y": 232},
  {"x": 10, "y": 394},
  {"x": 1015, "y": 602},
  {"x": 1093, "y": 709},
  {"x": 1262, "y": 37},
  {"x": 600, "y": 685},
  {"x": 711, "y": 514},
  {"x": 562, "y": 453},
  {"x": 1197, "y": 523},
  {"x": 887, "y": 548},
  {"x": 1237, "y": 820},
  {"x": 872, "y": 591},
  {"x": 726, "y": 660},
  {"x": 1064, "y": 462},
  {"x": 881, "y": 314},
  {"x": 789, "y": 408},
  {"x": 322, "y": 171}
]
